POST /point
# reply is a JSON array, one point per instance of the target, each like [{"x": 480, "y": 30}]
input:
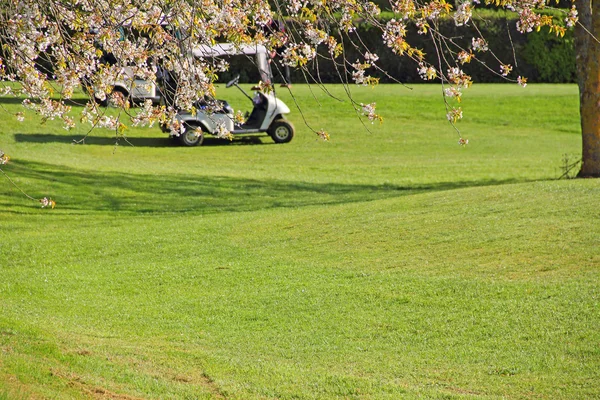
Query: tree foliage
[{"x": 53, "y": 47}]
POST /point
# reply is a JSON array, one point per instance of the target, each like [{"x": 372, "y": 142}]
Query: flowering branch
[
  {"x": 95, "y": 43},
  {"x": 45, "y": 202}
]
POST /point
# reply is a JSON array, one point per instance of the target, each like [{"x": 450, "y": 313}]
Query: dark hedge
[{"x": 540, "y": 56}]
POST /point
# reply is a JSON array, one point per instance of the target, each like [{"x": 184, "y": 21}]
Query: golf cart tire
[
  {"x": 281, "y": 131},
  {"x": 188, "y": 137}
]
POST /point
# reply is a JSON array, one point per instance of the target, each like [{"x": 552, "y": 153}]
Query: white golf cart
[
  {"x": 128, "y": 88},
  {"x": 133, "y": 89},
  {"x": 267, "y": 114}
]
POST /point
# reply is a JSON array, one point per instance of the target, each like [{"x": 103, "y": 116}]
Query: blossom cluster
[
  {"x": 463, "y": 13},
  {"x": 368, "y": 110},
  {"x": 426, "y": 72},
  {"x": 454, "y": 114},
  {"x": 358, "y": 75},
  {"x": 47, "y": 202},
  {"x": 479, "y": 44},
  {"x": 4, "y": 158}
]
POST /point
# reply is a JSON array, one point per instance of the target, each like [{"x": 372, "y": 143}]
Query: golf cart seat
[{"x": 220, "y": 106}]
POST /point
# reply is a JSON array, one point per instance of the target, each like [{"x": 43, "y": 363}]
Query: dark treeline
[{"x": 538, "y": 56}]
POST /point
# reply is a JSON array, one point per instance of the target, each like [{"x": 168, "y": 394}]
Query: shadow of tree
[
  {"x": 132, "y": 141},
  {"x": 73, "y": 102},
  {"x": 85, "y": 191}
]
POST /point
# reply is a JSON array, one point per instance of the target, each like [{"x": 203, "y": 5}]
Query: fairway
[{"x": 387, "y": 263}]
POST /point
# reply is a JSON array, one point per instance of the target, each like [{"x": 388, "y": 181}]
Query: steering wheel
[{"x": 232, "y": 82}]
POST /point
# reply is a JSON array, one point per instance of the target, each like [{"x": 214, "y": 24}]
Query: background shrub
[{"x": 538, "y": 56}]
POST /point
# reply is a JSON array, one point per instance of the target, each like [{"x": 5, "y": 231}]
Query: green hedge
[{"x": 540, "y": 56}]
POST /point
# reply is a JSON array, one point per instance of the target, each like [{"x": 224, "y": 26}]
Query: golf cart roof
[{"x": 224, "y": 49}]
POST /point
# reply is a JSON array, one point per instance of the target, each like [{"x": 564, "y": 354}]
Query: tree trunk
[{"x": 587, "y": 49}]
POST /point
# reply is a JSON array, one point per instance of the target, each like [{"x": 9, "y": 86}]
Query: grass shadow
[
  {"x": 84, "y": 191},
  {"x": 91, "y": 140},
  {"x": 73, "y": 102},
  {"x": 130, "y": 141}
]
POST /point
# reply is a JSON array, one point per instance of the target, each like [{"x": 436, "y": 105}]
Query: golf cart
[
  {"x": 129, "y": 86},
  {"x": 133, "y": 89},
  {"x": 267, "y": 114}
]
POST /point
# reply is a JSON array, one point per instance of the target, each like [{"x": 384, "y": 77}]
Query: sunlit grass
[{"x": 385, "y": 264}]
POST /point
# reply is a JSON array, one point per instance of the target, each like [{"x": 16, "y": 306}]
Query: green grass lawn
[{"x": 384, "y": 264}]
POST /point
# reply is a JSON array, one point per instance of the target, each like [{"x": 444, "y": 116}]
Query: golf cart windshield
[{"x": 245, "y": 60}]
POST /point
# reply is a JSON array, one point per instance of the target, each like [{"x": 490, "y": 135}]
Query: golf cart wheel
[
  {"x": 281, "y": 131},
  {"x": 191, "y": 136}
]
